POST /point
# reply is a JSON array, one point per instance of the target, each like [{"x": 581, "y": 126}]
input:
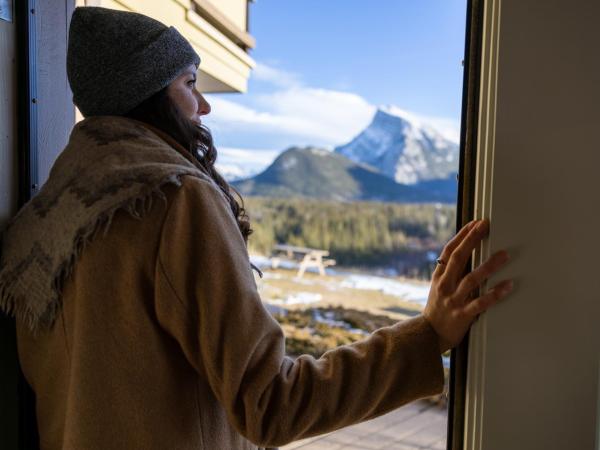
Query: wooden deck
[{"x": 419, "y": 425}]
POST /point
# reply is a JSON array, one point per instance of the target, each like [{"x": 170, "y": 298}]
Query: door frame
[{"x": 466, "y": 204}]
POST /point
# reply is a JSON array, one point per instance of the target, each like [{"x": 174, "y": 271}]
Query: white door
[{"x": 533, "y": 376}]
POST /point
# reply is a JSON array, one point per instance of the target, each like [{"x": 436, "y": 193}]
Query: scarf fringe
[{"x": 137, "y": 207}]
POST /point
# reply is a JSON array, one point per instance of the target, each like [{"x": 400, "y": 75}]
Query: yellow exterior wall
[
  {"x": 235, "y": 10},
  {"x": 225, "y": 67}
]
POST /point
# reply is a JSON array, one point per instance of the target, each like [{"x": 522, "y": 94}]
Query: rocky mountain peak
[{"x": 403, "y": 149}]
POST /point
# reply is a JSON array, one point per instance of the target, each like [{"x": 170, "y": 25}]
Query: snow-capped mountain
[{"x": 403, "y": 149}]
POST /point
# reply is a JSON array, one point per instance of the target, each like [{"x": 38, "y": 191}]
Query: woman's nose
[{"x": 203, "y": 106}]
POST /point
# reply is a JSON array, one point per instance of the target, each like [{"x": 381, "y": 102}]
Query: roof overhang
[{"x": 225, "y": 66}]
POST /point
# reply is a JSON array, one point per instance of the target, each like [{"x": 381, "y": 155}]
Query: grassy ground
[
  {"x": 281, "y": 284},
  {"x": 329, "y": 314}
]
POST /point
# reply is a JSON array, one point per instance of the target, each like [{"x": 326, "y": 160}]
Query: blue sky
[{"x": 323, "y": 66}]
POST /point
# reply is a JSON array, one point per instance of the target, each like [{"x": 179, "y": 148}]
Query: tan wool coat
[{"x": 162, "y": 342}]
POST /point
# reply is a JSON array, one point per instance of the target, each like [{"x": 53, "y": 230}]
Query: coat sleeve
[{"x": 206, "y": 297}]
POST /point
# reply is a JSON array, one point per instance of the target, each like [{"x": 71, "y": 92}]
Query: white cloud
[
  {"x": 448, "y": 128},
  {"x": 308, "y": 115},
  {"x": 233, "y": 117},
  {"x": 275, "y": 76},
  {"x": 236, "y": 115},
  {"x": 236, "y": 163},
  {"x": 251, "y": 156},
  {"x": 332, "y": 116}
]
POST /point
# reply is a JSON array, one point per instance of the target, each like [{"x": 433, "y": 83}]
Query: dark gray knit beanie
[{"x": 116, "y": 59}]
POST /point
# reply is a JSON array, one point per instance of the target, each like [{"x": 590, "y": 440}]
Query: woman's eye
[{"x": 192, "y": 82}]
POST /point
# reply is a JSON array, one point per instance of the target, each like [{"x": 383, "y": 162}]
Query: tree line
[{"x": 365, "y": 234}]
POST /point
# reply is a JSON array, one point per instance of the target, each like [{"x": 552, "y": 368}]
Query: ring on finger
[{"x": 440, "y": 261}]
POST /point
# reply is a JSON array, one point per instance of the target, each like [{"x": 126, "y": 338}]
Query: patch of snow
[
  {"x": 289, "y": 163},
  {"x": 264, "y": 262},
  {"x": 338, "y": 272},
  {"x": 274, "y": 309},
  {"x": 299, "y": 298},
  {"x": 319, "y": 151},
  {"x": 271, "y": 276},
  {"x": 304, "y": 281},
  {"x": 398, "y": 112},
  {"x": 260, "y": 261},
  {"x": 407, "y": 291},
  {"x": 327, "y": 318},
  {"x": 431, "y": 256}
]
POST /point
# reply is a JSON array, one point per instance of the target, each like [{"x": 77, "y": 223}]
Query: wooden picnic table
[{"x": 308, "y": 257}]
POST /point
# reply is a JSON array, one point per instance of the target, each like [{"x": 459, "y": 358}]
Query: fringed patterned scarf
[{"x": 110, "y": 163}]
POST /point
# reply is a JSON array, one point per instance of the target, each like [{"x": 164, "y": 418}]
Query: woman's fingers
[
  {"x": 492, "y": 297},
  {"x": 447, "y": 308},
  {"x": 474, "y": 279},
  {"x": 451, "y": 246},
  {"x": 456, "y": 240},
  {"x": 462, "y": 253}
]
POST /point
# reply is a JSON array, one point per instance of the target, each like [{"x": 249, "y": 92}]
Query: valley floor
[
  {"x": 420, "y": 425},
  {"x": 395, "y": 297}
]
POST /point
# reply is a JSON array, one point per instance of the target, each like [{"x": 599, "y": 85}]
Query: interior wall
[
  {"x": 538, "y": 373},
  {"x": 56, "y": 113},
  {"x": 55, "y": 119},
  {"x": 8, "y": 205},
  {"x": 8, "y": 123}
]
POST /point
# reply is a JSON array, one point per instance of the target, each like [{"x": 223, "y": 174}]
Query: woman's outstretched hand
[{"x": 450, "y": 307}]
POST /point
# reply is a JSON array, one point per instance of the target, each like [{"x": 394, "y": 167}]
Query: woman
[{"x": 139, "y": 323}]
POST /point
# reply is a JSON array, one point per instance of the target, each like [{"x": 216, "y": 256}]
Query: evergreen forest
[{"x": 357, "y": 234}]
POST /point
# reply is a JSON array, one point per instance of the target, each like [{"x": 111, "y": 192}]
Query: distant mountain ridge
[{"x": 319, "y": 173}]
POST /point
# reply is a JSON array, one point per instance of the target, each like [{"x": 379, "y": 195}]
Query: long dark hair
[{"x": 161, "y": 112}]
